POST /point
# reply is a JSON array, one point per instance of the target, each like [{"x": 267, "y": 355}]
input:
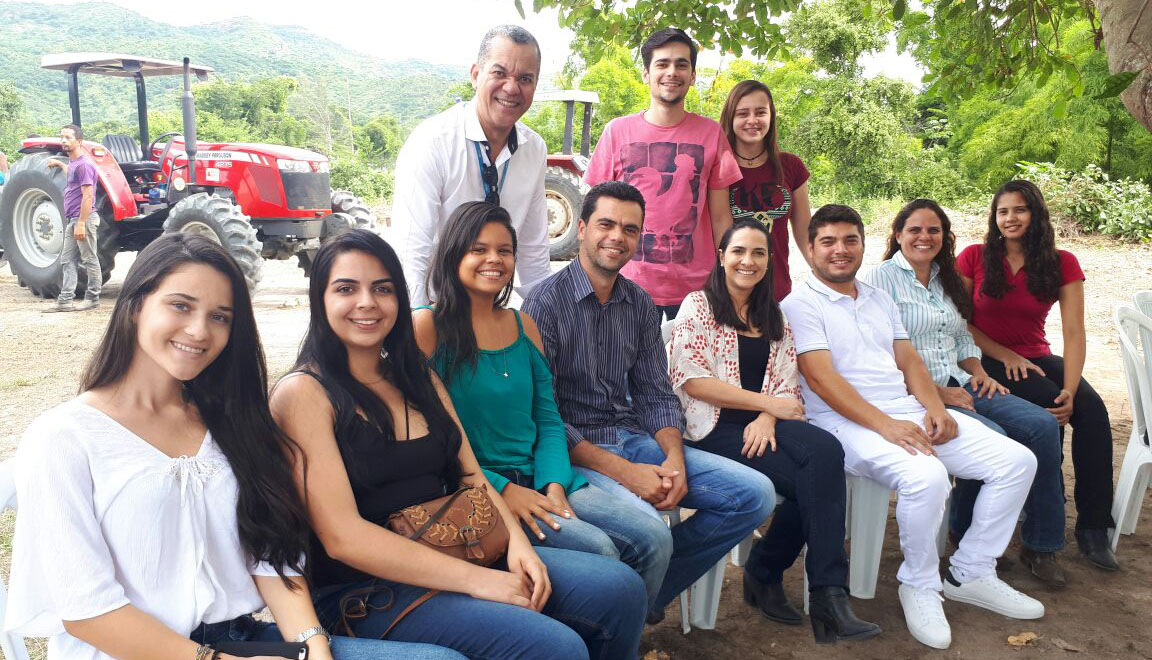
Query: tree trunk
[{"x": 1127, "y": 26}]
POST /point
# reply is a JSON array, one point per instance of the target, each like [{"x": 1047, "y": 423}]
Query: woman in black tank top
[{"x": 378, "y": 434}]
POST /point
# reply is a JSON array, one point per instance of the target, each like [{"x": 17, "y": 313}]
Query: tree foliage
[{"x": 967, "y": 45}]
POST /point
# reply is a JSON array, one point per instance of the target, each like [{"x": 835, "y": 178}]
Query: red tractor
[
  {"x": 260, "y": 201},
  {"x": 563, "y": 188}
]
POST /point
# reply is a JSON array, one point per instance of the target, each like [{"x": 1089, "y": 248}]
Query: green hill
[{"x": 241, "y": 49}]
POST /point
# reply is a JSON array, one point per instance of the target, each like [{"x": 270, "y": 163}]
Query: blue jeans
[
  {"x": 602, "y": 526},
  {"x": 247, "y": 629},
  {"x": 731, "y": 500},
  {"x": 596, "y": 611},
  {"x": 1036, "y": 429}
]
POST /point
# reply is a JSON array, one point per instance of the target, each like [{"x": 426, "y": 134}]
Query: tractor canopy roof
[
  {"x": 118, "y": 65},
  {"x": 577, "y": 95}
]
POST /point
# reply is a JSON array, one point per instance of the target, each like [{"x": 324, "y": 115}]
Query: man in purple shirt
[{"x": 80, "y": 226}]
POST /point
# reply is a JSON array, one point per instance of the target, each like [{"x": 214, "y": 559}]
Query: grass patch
[{"x": 16, "y": 383}]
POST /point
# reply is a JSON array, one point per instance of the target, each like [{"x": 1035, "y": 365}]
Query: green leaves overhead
[
  {"x": 966, "y": 45},
  {"x": 739, "y": 27},
  {"x": 1116, "y": 84}
]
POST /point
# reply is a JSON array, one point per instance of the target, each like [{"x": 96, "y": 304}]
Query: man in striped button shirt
[{"x": 602, "y": 337}]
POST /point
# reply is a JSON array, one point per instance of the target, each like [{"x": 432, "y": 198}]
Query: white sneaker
[
  {"x": 992, "y": 593},
  {"x": 924, "y": 614}
]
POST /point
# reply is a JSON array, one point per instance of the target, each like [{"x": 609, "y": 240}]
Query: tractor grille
[{"x": 306, "y": 190}]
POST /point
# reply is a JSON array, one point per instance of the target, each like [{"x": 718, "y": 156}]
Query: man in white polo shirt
[
  {"x": 864, "y": 383},
  {"x": 477, "y": 151}
]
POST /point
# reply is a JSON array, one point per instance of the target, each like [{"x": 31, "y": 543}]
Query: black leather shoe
[
  {"x": 1094, "y": 545},
  {"x": 833, "y": 619},
  {"x": 1045, "y": 567},
  {"x": 654, "y": 617},
  {"x": 771, "y": 600}
]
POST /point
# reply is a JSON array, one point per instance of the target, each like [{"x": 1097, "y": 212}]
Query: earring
[{"x": 383, "y": 353}]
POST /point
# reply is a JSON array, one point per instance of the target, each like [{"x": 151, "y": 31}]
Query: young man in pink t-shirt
[{"x": 682, "y": 164}]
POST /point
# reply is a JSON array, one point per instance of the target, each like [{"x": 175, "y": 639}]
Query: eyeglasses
[{"x": 491, "y": 179}]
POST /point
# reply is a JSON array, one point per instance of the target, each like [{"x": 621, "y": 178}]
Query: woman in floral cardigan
[{"x": 733, "y": 365}]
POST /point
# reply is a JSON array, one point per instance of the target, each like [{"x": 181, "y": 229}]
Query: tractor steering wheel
[{"x": 168, "y": 143}]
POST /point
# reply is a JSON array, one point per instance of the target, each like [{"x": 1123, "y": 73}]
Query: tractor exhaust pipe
[{"x": 188, "y": 107}]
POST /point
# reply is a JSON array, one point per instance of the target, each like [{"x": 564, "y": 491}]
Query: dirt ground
[{"x": 1099, "y": 615}]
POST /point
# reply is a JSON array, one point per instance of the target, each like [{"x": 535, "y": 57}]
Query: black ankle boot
[
  {"x": 833, "y": 619},
  {"x": 1094, "y": 545},
  {"x": 771, "y": 600}
]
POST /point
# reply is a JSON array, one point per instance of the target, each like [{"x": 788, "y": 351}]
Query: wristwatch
[{"x": 309, "y": 633}]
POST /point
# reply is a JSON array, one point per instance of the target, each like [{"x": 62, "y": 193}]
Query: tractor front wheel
[
  {"x": 348, "y": 203},
  {"x": 222, "y": 221},
  {"x": 564, "y": 195}
]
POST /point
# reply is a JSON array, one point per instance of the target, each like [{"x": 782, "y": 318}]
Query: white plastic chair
[
  {"x": 700, "y": 603},
  {"x": 1143, "y": 300},
  {"x": 1135, "y": 330},
  {"x": 867, "y": 521},
  {"x": 12, "y": 644}
]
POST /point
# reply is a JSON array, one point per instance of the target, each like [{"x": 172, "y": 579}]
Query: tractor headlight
[{"x": 298, "y": 166}]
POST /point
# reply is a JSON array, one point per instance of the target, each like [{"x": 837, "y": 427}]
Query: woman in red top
[
  {"x": 1015, "y": 278},
  {"x": 774, "y": 189}
]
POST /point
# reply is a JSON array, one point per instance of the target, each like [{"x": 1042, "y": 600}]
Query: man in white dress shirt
[
  {"x": 477, "y": 151},
  {"x": 864, "y": 383}
]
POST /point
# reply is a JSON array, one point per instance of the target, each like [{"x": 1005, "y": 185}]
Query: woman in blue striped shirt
[{"x": 920, "y": 274}]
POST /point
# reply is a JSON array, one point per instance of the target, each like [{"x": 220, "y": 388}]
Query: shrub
[
  {"x": 369, "y": 182},
  {"x": 1092, "y": 201}
]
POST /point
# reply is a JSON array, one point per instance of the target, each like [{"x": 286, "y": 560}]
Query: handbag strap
[
  {"x": 435, "y": 517},
  {"x": 408, "y": 610}
]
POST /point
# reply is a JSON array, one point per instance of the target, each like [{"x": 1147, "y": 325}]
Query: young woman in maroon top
[
  {"x": 1015, "y": 278},
  {"x": 775, "y": 185}
]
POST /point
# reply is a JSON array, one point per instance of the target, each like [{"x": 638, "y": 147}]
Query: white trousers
[{"x": 922, "y": 484}]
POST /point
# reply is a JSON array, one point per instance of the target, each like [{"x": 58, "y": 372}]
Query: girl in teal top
[
  {"x": 490, "y": 360},
  {"x": 494, "y": 395}
]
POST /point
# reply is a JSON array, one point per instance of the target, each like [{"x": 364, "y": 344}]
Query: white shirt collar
[
  {"x": 902, "y": 262},
  {"x": 475, "y": 132},
  {"x": 816, "y": 284}
]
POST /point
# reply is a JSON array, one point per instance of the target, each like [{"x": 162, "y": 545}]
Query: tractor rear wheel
[
  {"x": 222, "y": 221},
  {"x": 564, "y": 195},
  {"x": 344, "y": 201},
  {"x": 33, "y": 233}
]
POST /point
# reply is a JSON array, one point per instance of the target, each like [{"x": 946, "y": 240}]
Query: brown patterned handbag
[{"x": 465, "y": 525}]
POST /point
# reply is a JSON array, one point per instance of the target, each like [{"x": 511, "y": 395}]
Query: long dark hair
[
  {"x": 763, "y": 311},
  {"x": 453, "y": 311},
  {"x": 323, "y": 353},
  {"x": 1041, "y": 261},
  {"x": 728, "y": 118},
  {"x": 945, "y": 259},
  {"x": 231, "y": 395}
]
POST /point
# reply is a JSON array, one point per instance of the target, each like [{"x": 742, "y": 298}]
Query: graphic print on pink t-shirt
[{"x": 670, "y": 173}]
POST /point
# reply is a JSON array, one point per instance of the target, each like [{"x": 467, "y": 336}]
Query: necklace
[
  {"x": 503, "y": 354},
  {"x": 750, "y": 160}
]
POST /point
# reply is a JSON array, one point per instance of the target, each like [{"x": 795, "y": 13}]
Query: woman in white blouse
[
  {"x": 733, "y": 365},
  {"x": 158, "y": 508}
]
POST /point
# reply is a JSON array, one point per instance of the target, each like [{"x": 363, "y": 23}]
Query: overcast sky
[{"x": 441, "y": 31}]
